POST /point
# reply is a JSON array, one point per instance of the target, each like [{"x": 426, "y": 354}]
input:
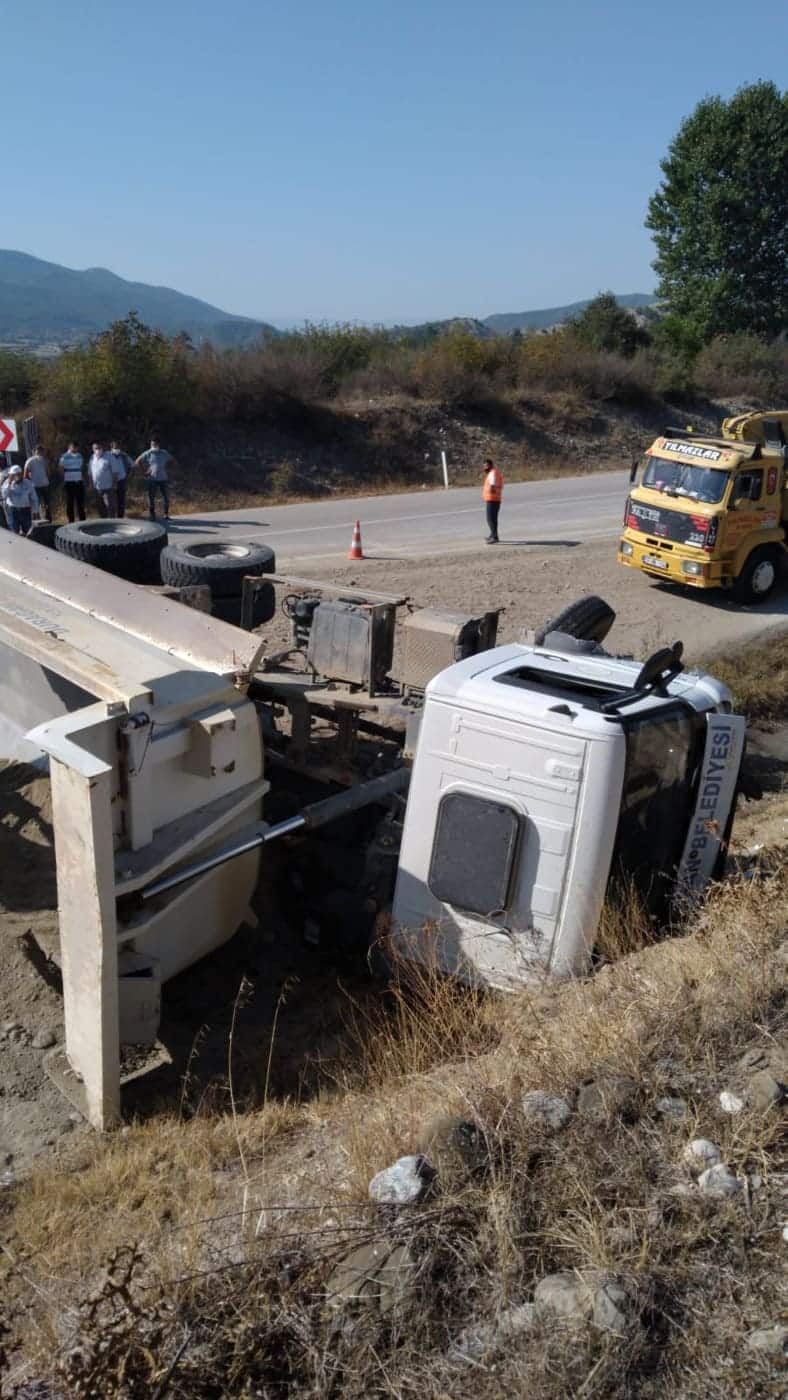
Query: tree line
[{"x": 720, "y": 225}]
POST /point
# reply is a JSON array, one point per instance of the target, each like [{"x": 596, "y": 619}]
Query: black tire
[
  {"x": 43, "y": 532},
  {"x": 130, "y": 549},
  {"x": 222, "y": 564},
  {"x": 590, "y": 619},
  {"x": 758, "y": 577}
]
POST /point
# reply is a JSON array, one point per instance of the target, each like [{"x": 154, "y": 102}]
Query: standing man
[
  {"x": 71, "y": 465},
  {"x": 121, "y": 466},
  {"x": 156, "y": 462},
  {"x": 103, "y": 478},
  {"x": 492, "y": 494},
  {"x": 37, "y": 471},
  {"x": 19, "y": 501}
]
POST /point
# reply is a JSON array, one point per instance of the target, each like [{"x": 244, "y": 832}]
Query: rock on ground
[
  {"x": 608, "y": 1097},
  {"x": 764, "y": 1090},
  {"x": 719, "y": 1181},
  {"x": 575, "y": 1298},
  {"x": 546, "y": 1110},
  {"x": 772, "y": 1340},
  {"x": 372, "y": 1280},
  {"x": 701, "y": 1154},
  {"x": 402, "y": 1184},
  {"x": 483, "y": 1337}
]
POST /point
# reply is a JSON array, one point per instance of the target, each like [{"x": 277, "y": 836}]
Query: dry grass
[
  {"x": 758, "y": 676},
  {"x": 194, "y": 1258},
  {"x": 233, "y": 1310}
]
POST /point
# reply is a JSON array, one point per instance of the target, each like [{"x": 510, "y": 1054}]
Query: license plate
[{"x": 653, "y": 561}]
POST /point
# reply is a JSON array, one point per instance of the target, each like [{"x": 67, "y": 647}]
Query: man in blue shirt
[{"x": 155, "y": 463}]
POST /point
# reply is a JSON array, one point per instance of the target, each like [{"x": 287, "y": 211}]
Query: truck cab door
[{"x": 746, "y": 508}]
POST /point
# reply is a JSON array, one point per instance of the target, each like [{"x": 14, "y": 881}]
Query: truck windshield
[
  {"x": 664, "y": 751},
  {"x": 685, "y": 479}
]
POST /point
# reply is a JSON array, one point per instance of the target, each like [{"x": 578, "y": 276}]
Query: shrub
[
  {"x": 743, "y": 366},
  {"x": 604, "y": 325}
]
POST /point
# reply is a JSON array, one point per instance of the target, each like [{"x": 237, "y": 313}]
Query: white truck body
[
  {"x": 155, "y": 755},
  {"x": 516, "y": 797},
  {"x": 536, "y": 775}
]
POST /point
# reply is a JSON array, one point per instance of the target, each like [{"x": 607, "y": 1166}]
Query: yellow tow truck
[{"x": 712, "y": 512}]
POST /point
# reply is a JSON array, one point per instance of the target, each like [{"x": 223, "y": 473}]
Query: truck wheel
[
  {"x": 129, "y": 549},
  {"x": 758, "y": 577},
  {"x": 590, "y": 619},
  {"x": 220, "y": 564}
]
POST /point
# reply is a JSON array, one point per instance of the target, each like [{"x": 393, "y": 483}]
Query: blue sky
[{"x": 359, "y": 161}]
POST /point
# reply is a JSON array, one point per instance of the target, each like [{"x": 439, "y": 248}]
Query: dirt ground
[
  {"x": 532, "y": 583},
  {"x": 276, "y": 973}
]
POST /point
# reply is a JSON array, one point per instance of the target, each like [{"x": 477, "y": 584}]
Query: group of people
[{"x": 26, "y": 491}]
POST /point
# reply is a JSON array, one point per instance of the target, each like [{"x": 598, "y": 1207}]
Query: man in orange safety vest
[{"x": 492, "y": 493}]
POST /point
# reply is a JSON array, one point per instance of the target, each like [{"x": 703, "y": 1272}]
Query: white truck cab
[{"x": 539, "y": 777}]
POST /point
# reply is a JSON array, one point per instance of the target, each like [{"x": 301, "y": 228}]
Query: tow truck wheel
[{"x": 758, "y": 577}]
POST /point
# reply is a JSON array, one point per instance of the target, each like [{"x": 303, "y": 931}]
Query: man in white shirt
[
  {"x": 71, "y": 464},
  {"x": 103, "y": 478},
  {"x": 121, "y": 466},
  {"x": 155, "y": 463},
  {"x": 19, "y": 501},
  {"x": 37, "y": 471}
]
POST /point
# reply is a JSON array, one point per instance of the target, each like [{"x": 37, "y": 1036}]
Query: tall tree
[
  {"x": 720, "y": 215},
  {"x": 604, "y": 325}
]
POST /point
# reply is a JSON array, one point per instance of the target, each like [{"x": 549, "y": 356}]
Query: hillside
[
  {"x": 42, "y": 301},
  {"x": 507, "y": 321}
]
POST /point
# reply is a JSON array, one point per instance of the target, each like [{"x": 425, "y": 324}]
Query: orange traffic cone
[{"x": 355, "y": 551}]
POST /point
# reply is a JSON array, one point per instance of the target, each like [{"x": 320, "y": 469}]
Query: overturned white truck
[{"x": 505, "y": 788}]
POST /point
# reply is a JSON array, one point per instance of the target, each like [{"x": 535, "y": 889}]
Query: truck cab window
[
  {"x": 473, "y": 853},
  {"x": 748, "y": 486},
  {"x": 657, "y": 801}
]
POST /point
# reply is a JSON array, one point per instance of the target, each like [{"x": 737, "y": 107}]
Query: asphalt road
[{"x": 422, "y": 523}]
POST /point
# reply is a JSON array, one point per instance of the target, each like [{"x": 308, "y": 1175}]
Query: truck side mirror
[{"x": 633, "y": 471}]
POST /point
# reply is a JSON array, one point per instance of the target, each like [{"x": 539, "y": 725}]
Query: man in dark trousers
[
  {"x": 492, "y": 493},
  {"x": 71, "y": 465}
]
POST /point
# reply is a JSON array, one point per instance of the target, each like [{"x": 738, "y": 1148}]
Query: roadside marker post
[
  {"x": 8, "y": 442},
  {"x": 445, "y": 471}
]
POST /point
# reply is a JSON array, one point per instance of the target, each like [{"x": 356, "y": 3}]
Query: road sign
[{"x": 8, "y": 435}]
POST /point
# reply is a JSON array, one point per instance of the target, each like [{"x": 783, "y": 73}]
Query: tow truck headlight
[
  {"x": 691, "y": 566},
  {"x": 627, "y": 548}
]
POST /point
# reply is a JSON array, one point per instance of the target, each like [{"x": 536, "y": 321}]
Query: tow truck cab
[
  {"x": 542, "y": 777},
  {"x": 708, "y": 513}
]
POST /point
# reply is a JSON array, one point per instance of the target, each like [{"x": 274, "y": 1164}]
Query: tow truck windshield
[{"x": 705, "y": 484}]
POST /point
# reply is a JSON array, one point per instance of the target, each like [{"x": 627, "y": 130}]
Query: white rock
[
  {"x": 719, "y": 1181},
  {"x": 730, "y": 1103},
  {"x": 594, "y": 1298},
  {"x": 785, "y": 1233},
  {"x": 670, "y": 1107},
  {"x": 403, "y": 1183},
  {"x": 773, "y": 1340},
  {"x": 611, "y": 1306},
  {"x": 563, "y": 1295},
  {"x": 476, "y": 1341},
  {"x": 548, "y": 1110},
  {"x": 700, "y": 1154}
]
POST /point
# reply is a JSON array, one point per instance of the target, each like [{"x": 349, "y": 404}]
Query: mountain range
[{"x": 44, "y": 303}]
